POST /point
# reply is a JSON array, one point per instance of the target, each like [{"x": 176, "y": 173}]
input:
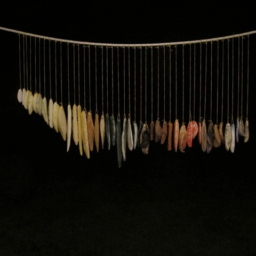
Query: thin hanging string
[
  {"x": 26, "y": 61},
  {"x": 211, "y": 87},
  {"x": 152, "y": 91},
  {"x": 238, "y": 75},
  {"x": 39, "y": 65},
  {"x": 200, "y": 84},
  {"x": 242, "y": 76},
  {"x": 55, "y": 51},
  {"x": 50, "y": 70},
  {"x": 146, "y": 73},
  {"x": 164, "y": 78},
  {"x": 217, "y": 96},
  {"x": 183, "y": 84},
  {"x": 102, "y": 88},
  {"x": 78, "y": 74},
  {"x": 124, "y": 76},
  {"x": 141, "y": 84},
  {"x": 232, "y": 106},
  {"x": 170, "y": 83},
  {"x": 194, "y": 100},
  {"x": 35, "y": 70},
  {"x": 96, "y": 81},
  {"x": 158, "y": 64},
  {"x": 112, "y": 64},
  {"x": 107, "y": 75},
  {"x": 247, "y": 103},
  {"x": 129, "y": 78},
  {"x": 205, "y": 81},
  {"x": 222, "y": 83},
  {"x": 61, "y": 73},
  {"x": 44, "y": 73},
  {"x": 176, "y": 85},
  {"x": 118, "y": 83},
  {"x": 89, "y": 74},
  {"x": 84, "y": 77},
  {"x": 74, "y": 72},
  {"x": 30, "y": 65},
  {"x": 68, "y": 74},
  {"x": 134, "y": 84},
  {"x": 20, "y": 62},
  {"x": 228, "y": 83},
  {"x": 190, "y": 83},
  {"x": 24, "y": 72}
]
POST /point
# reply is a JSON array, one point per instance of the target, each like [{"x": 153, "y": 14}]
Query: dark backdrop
[{"x": 166, "y": 203}]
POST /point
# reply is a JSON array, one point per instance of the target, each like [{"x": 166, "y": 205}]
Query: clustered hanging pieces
[{"x": 157, "y": 76}]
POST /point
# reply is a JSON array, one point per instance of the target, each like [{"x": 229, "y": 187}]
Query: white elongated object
[
  {"x": 69, "y": 127},
  {"x": 129, "y": 134},
  {"x": 241, "y": 127},
  {"x": 50, "y": 112},
  {"x": 23, "y": 96},
  {"x": 44, "y": 110},
  {"x": 19, "y": 95},
  {"x": 79, "y": 110},
  {"x": 246, "y": 131},
  {"x": 62, "y": 123},
  {"x": 85, "y": 135},
  {"x": 228, "y": 136},
  {"x": 102, "y": 130},
  {"x": 34, "y": 102},
  {"x": 26, "y": 99},
  {"x": 233, "y": 138},
  {"x": 39, "y": 104},
  {"x": 135, "y": 137},
  {"x": 237, "y": 129},
  {"x": 75, "y": 124},
  {"x": 124, "y": 139},
  {"x": 55, "y": 113},
  {"x": 30, "y": 103}
]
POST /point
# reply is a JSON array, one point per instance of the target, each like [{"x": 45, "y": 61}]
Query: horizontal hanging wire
[{"x": 126, "y": 45}]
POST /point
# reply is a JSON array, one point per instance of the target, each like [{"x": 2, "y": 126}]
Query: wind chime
[{"x": 126, "y": 70}]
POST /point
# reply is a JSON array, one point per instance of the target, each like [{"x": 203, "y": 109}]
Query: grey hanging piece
[
  {"x": 118, "y": 142},
  {"x": 129, "y": 134},
  {"x": 210, "y": 137},
  {"x": 145, "y": 139},
  {"x": 233, "y": 136},
  {"x": 124, "y": 138},
  {"x": 228, "y": 136},
  {"x": 108, "y": 131},
  {"x": 241, "y": 127},
  {"x": 135, "y": 134},
  {"x": 113, "y": 130}
]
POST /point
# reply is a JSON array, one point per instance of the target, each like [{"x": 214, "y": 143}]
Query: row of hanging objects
[{"x": 88, "y": 131}]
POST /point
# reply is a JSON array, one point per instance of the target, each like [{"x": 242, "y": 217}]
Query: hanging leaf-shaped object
[
  {"x": 135, "y": 133},
  {"x": 113, "y": 130},
  {"x": 241, "y": 127},
  {"x": 69, "y": 129},
  {"x": 30, "y": 103},
  {"x": 129, "y": 134},
  {"x": 19, "y": 95},
  {"x": 75, "y": 124},
  {"x": 97, "y": 132},
  {"x": 50, "y": 112},
  {"x": 221, "y": 133},
  {"x": 189, "y": 134},
  {"x": 139, "y": 132},
  {"x": 170, "y": 127},
  {"x": 23, "y": 96},
  {"x": 26, "y": 99},
  {"x": 199, "y": 133},
  {"x": 62, "y": 123},
  {"x": 124, "y": 139},
  {"x": 55, "y": 114},
  {"x": 158, "y": 131},
  {"x": 108, "y": 131},
  {"x": 217, "y": 140},
  {"x": 204, "y": 136},
  {"x": 210, "y": 137},
  {"x": 90, "y": 130},
  {"x": 145, "y": 139},
  {"x": 35, "y": 101},
  {"x": 182, "y": 138},
  {"x": 79, "y": 111},
  {"x": 39, "y": 104},
  {"x": 228, "y": 136},
  {"x": 164, "y": 132},
  {"x": 118, "y": 142},
  {"x": 102, "y": 130},
  {"x": 44, "y": 110},
  {"x": 152, "y": 130},
  {"x": 176, "y": 134},
  {"x": 85, "y": 134},
  {"x": 246, "y": 131},
  {"x": 233, "y": 138},
  {"x": 237, "y": 129}
]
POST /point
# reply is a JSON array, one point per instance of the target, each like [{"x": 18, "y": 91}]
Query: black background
[{"x": 166, "y": 203}]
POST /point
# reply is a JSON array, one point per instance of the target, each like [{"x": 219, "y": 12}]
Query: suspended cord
[
  {"x": 78, "y": 74},
  {"x": 129, "y": 79},
  {"x": 176, "y": 86},
  {"x": 89, "y": 74},
  {"x": 61, "y": 98},
  {"x": 30, "y": 65},
  {"x": 217, "y": 96},
  {"x": 194, "y": 100},
  {"x": 158, "y": 82},
  {"x": 96, "y": 81},
  {"x": 247, "y": 103},
  {"x": 228, "y": 84},
  {"x": 50, "y": 70},
  {"x": 35, "y": 70},
  {"x": 118, "y": 83},
  {"x": 164, "y": 79},
  {"x": 84, "y": 77},
  {"x": 211, "y": 87},
  {"x": 183, "y": 84},
  {"x": 190, "y": 82},
  {"x": 20, "y": 62},
  {"x": 232, "y": 109},
  {"x": 140, "y": 84},
  {"x": 55, "y": 47},
  {"x": 24, "y": 72},
  {"x": 170, "y": 83},
  {"x": 107, "y": 75},
  {"x": 242, "y": 76},
  {"x": 124, "y": 76},
  {"x": 39, "y": 65},
  {"x": 135, "y": 84},
  {"x": 146, "y": 73},
  {"x": 152, "y": 92},
  {"x": 44, "y": 72},
  {"x": 200, "y": 84},
  {"x": 205, "y": 81},
  {"x": 102, "y": 88},
  {"x": 238, "y": 75},
  {"x": 222, "y": 83},
  {"x": 112, "y": 64},
  {"x": 68, "y": 74},
  {"x": 74, "y": 72}
]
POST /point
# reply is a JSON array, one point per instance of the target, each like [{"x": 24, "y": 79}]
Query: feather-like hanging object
[
  {"x": 26, "y": 99},
  {"x": 124, "y": 138},
  {"x": 23, "y": 96},
  {"x": 246, "y": 131},
  {"x": 145, "y": 134},
  {"x": 189, "y": 134},
  {"x": 210, "y": 137},
  {"x": 50, "y": 111},
  {"x": 69, "y": 129},
  {"x": 39, "y": 104},
  {"x": 102, "y": 130},
  {"x": 164, "y": 132},
  {"x": 19, "y": 95},
  {"x": 217, "y": 140},
  {"x": 84, "y": 134},
  {"x": 221, "y": 133},
  {"x": 62, "y": 123},
  {"x": 129, "y": 134},
  {"x": 97, "y": 132},
  {"x": 44, "y": 110},
  {"x": 237, "y": 129},
  {"x": 158, "y": 131},
  {"x": 233, "y": 138},
  {"x": 135, "y": 133},
  {"x": 30, "y": 103},
  {"x": 90, "y": 130},
  {"x": 75, "y": 124},
  {"x": 182, "y": 138},
  {"x": 170, "y": 127},
  {"x": 241, "y": 128},
  {"x": 176, "y": 134},
  {"x": 152, "y": 129},
  {"x": 55, "y": 114},
  {"x": 199, "y": 133},
  {"x": 113, "y": 130},
  {"x": 118, "y": 142},
  {"x": 204, "y": 136},
  {"x": 108, "y": 131},
  {"x": 35, "y": 101},
  {"x": 79, "y": 111},
  {"x": 228, "y": 136}
]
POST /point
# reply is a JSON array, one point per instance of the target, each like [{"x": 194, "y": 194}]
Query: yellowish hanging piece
[
  {"x": 79, "y": 130},
  {"x": 44, "y": 110},
  {"x": 69, "y": 127},
  {"x": 90, "y": 131},
  {"x": 62, "y": 123},
  {"x": 85, "y": 134},
  {"x": 176, "y": 134},
  {"x": 97, "y": 132},
  {"x": 75, "y": 124},
  {"x": 55, "y": 114},
  {"x": 102, "y": 130}
]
